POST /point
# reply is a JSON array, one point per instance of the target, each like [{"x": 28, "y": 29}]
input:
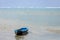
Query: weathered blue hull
[{"x": 22, "y": 31}]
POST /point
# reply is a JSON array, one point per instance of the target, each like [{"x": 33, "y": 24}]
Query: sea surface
[{"x": 43, "y": 23}]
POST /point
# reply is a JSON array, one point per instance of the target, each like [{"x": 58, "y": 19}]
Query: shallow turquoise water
[{"x": 42, "y": 23}]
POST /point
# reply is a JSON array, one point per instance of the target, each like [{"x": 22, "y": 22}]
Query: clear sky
[{"x": 29, "y": 3}]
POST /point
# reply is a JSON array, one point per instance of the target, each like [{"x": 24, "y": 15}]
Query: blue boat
[{"x": 21, "y": 31}]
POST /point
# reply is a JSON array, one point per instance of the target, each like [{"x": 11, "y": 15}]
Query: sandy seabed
[{"x": 7, "y": 28}]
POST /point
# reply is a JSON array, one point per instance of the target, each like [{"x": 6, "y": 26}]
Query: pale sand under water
[{"x": 7, "y": 28}]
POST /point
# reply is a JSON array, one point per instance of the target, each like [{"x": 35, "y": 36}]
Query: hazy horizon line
[{"x": 29, "y": 7}]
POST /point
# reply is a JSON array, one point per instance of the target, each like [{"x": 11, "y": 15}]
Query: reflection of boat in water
[
  {"x": 19, "y": 37},
  {"x": 21, "y": 31}
]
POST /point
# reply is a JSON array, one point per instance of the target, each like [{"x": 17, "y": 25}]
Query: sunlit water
[{"x": 43, "y": 23}]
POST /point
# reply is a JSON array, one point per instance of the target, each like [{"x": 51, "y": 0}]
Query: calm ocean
[{"x": 43, "y": 23}]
